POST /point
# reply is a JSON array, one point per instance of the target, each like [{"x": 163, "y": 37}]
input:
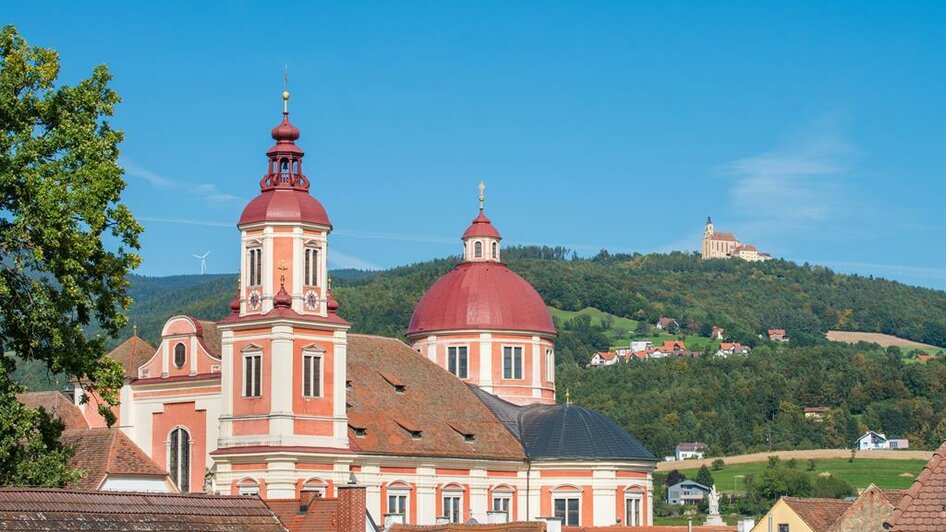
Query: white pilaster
[
  {"x": 432, "y": 348},
  {"x": 486, "y": 362},
  {"x": 536, "y": 367},
  {"x": 268, "y": 268},
  {"x": 280, "y": 385},
  {"x": 193, "y": 357},
  {"x": 339, "y": 365},
  {"x": 604, "y": 486},
  {"x": 298, "y": 263},
  {"x": 165, "y": 359},
  {"x": 426, "y": 495},
  {"x": 479, "y": 503}
]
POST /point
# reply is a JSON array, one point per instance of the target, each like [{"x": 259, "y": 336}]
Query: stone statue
[{"x": 714, "y": 518}]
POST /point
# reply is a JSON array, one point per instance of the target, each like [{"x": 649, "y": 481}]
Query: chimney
[{"x": 351, "y": 508}]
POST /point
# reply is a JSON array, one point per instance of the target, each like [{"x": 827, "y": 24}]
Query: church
[{"x": 280, "y": 400}]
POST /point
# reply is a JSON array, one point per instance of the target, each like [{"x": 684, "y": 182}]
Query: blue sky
[{"x": 815, "y": 130}]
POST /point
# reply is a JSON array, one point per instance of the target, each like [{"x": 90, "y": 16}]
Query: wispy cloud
[
  {"x": 206, "y": 191},
  {"x": 793, "y": 185},
  {"x": 343, "y": 261}
]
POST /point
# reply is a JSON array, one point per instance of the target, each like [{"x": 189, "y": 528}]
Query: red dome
[
  {"x": 482, "y": 296},
  {"x": 285, "y": 131},
  {"x": 481, "y": 227},
  {"x": 285, "y": 205}
]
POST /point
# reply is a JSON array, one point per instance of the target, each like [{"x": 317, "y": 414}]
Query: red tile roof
[
  {"x": 132, "y": 354},
  {"x": 923, "y": 507},
  {"x": 723, "y": 236},
  {"x": 210, "y": 334},
  {"x": 284, "y": 205},
  {"x": 481, "y": 226},
  {"x": 103, "y": 452},
  {"x": 658, "y": 528},
  {"x": 57, "y": 404},
  {"x": 430, "y": 399},
  {"x": 319, "y": 516},
  {"x": 819, "y": 514},
  {"x": 481, "y": 296},
  {"x": 52, "y": 509}
]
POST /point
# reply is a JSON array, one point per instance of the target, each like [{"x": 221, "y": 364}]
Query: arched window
[
  {"x": 453, "y": 503},
  {"x": 180, "y": 354},
  {"x": 502, "y": 501},
  {"x": 315, "y": 486},
  {"x": 284, "y": 168},
  {"x": 495, "y": 250},
  {"x": 478, "y": 249},
  {"x": 633, "y": 506},
  {"x": 247, "y": 486},
  {"x": 399, "y": 498},
  {"x": 180, "y": 459},
  {"x": 255, "y": 265}
]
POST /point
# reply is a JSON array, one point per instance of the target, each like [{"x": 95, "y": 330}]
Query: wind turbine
[{"x": 203, "y": 262}]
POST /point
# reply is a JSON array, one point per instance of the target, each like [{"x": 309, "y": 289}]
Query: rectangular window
[
  {"x": 632, "y": 511},
  {"x": 397, "y": 503},
  {"x": 252, "y": 374},
  {"x": 256, "y": 267},
  {"x": 311, "y": 267},
  {"x": 311, "y": 375},
  {"x": 457, "y": 361},
  {"x": 512, "y": 362},
  {"x": 451, "y": 507},
  {"x": 566, "y": 509},
  {"x": 501, "y": 504},
  {"x": 549, "y": 365},
  {"x": 783, "y": 527}
]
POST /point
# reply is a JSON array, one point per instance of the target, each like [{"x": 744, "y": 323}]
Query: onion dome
[
  {"x": 284, "y": 189},
  {"x": 282, "y": 299},
  {"x": 235, "y": 304},
  {"x": 481, "y": 227}
]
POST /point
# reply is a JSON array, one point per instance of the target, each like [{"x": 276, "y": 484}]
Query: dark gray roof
[{"x": 565, "y": 432}]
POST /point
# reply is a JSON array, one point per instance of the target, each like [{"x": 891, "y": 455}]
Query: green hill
[{"x": 736, "y": 405}]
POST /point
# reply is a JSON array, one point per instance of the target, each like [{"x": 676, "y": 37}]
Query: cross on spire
[{"x": 482, "y": 187}]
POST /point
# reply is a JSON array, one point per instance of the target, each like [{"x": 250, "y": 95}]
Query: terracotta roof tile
[
  {"x": 657, "y": 528},
  {"x": 211, "y": 336},
  {"x": 132, "y": 354},
  {"x": 923, "y": 506},
  {"x": 57, "y": 404},
  {"x": 318, "y": 517},
  {"x": 103, "y": 452},
  {"x": 819, "y": 514},
  {"x": 723, "y": 236},
  {"x": 432, "y": 399},
  {"x": 52, "y": 509}
]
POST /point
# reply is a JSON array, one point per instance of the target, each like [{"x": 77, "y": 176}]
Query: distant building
[
  {"x": 686, "y": 492},
  {"x": 816, "y": 412},
  {"x": 874, "y": 440},
  {"x": 778, "y": 335},
  {"x": 719, "y": 245},
  {"x": 691, "y": 450},
  {"x": 728, "y": 348},
  {"x": 607, "y": 358},
  {"x": 923, "y": 357},
  {"x": 717, "y": 333},
  {"x": 640, "y": 345},
  {"x": 664, "y": 323}
]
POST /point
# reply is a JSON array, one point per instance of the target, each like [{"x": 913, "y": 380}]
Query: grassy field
[
  {"x": 883, "y": 473},
  {"x": 621, "y": 329},
  {"x": 884, "y": 340}
]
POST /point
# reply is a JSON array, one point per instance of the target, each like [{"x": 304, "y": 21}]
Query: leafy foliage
[{"x": 66, "y": 244}]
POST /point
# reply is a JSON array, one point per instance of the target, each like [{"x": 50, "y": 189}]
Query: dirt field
[
  {"x": 815, "y": 454},
  {"x": 884, "y": 340}
]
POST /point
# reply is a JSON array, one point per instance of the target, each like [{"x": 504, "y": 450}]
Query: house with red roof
[
  {"x": 778, "y": 335},
  {"x": 606, "y": 358},
  {"x": 732, "y": 348}
]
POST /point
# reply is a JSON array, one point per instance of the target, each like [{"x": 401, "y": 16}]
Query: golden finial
[
  {"x": 482, "y": 187},
  {"x": 568, "y": 396},
  {"x": 285, "y": 89},
  {"x": 282, "y": 268}
]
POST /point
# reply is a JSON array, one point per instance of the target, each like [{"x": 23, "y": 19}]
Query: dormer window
[
  {"x": 310, "y": 271},
  {"x": 410, "y": 428},
  {"x": 255, "y": 260}
]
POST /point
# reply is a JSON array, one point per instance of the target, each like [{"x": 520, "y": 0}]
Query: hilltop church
[{"x": 280, "y": 400}]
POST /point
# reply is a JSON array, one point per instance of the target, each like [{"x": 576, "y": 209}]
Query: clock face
[
  {"x": 254, "y": 300},
  {"x": 311, "y": 299}
]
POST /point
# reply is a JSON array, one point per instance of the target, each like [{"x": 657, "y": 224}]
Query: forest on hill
[{"x": 735, "y": 405}]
